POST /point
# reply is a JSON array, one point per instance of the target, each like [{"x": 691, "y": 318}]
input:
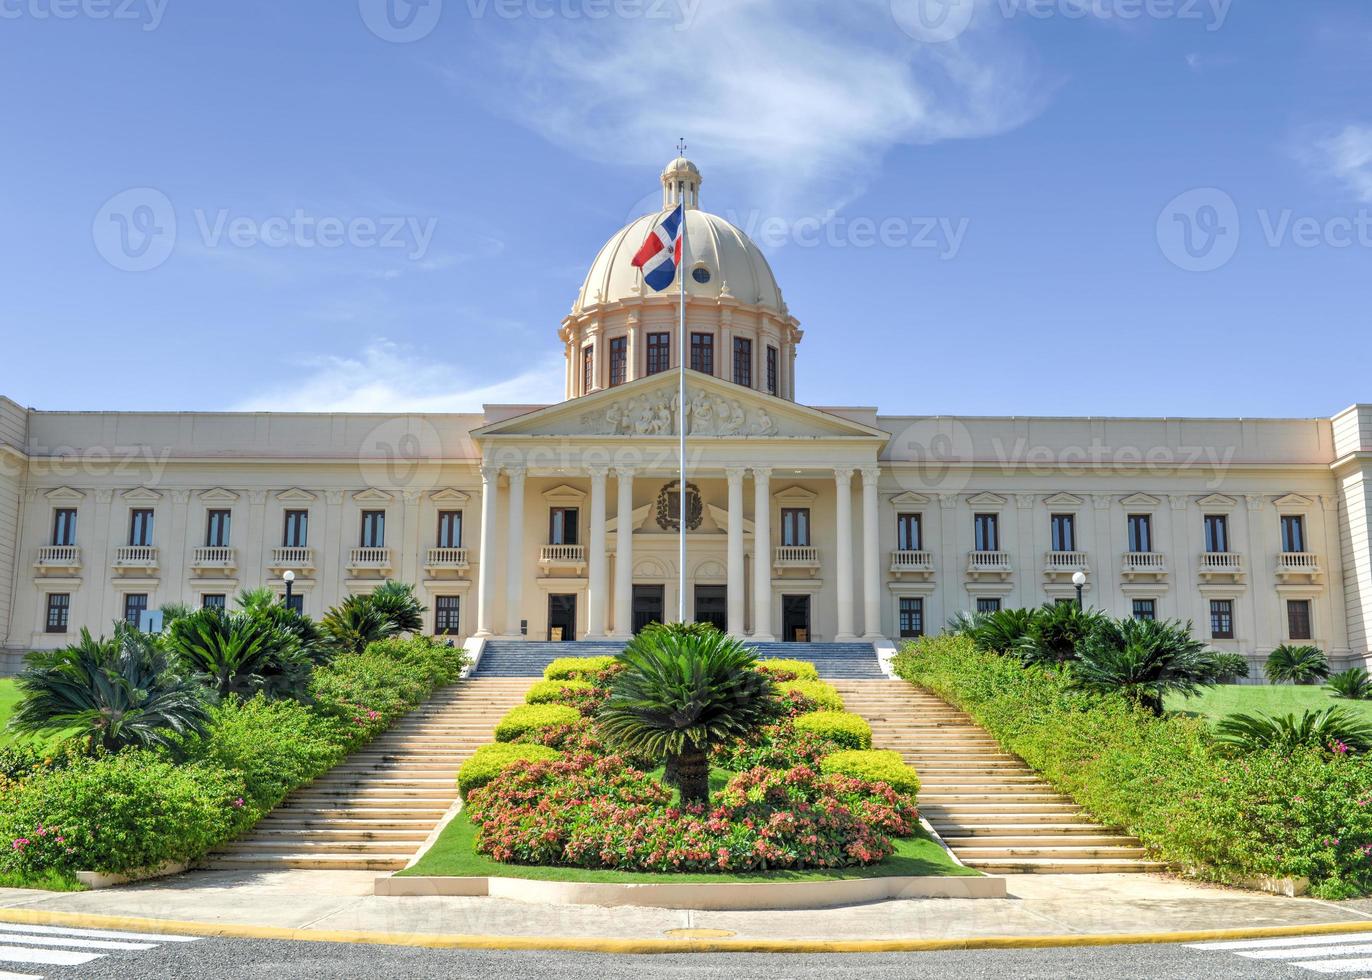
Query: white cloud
[
  {"x": 1347, "y": 157},
  {"x": 387, "y": 377}
]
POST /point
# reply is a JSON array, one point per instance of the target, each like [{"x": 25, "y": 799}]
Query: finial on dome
[{"x": 681, "y": 181}]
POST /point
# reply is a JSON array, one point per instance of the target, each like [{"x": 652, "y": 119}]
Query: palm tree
[
  {"x": 1354, "y": 684},
  {"x": 356, "y": 623},
  {"x": 116, "y": 692},
  {"x": 681, "y": 693},
  {"x": 1143, "y": 659},
  {"x": 1055, "y": 632},
  {"x": 263, "y": 603},
  {"x": 241, "y": 654},
  {"x": 396, "y": 601},
  {"x": 1002, "y": 631},
  {"x": 1297, "y": 664},
  {"x": 1326, "y": 729}
]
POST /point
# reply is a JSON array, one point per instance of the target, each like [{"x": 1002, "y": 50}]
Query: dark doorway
[
  {"x": 712, "y": 606},
  {"x": 648, "y": 603},
  {"x": 795, "y": 618},
  {"x": 562, "y": 618}
]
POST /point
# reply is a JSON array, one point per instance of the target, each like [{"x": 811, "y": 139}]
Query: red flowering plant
[{"x": 778, "y": 746}]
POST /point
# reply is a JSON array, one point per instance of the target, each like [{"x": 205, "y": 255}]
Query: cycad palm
[
  {"x": 241, "y": 654},
  {"x": 1301, "y": 664},
  {"x": 1143, "y": 659},
  {"x": 355, "y": 623},
  {"x": 1323, "y": 729}
]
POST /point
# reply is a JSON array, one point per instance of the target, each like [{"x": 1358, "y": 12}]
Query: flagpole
[{"x": 681, "y": 403}]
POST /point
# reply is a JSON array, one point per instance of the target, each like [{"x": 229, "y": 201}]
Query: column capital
[
  {"x": 624, "y": 472},
  {"x": 516, "y": 472},
  {"x": 762, "y": 472},
  {"x": 870, "y": 475},
  {"x": 598, "y": 472},
  {"x": 411, "y": 495},
  {"x": 735, "y": 474},
  {"x": 843, "y": 475},
  {"x": 490, "y": 473}
]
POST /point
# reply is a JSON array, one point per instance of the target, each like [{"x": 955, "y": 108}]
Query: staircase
[
  {"x": 835, "y": 661},
  {"x": 990, "y": 808},
  {"x": 372, "y": 812},
  {"x": 527, "y": 658}
]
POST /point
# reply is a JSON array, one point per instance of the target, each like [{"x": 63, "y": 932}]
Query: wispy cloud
[{"x": 1346, "y": 156}]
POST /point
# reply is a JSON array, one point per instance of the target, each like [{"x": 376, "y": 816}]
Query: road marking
[
  {"x": 90, "y": 943},
  {"x": 98, "y": 933},
  {"x": 1295, "y": 953},
  {"x": 1328, "y": 940},
  {"x": 1336, "y": 966},
  {"x": 52, "y": 957},
  {"x": 39, "y": 945},
  {"x": 19, "y": 976},
  {"x": 1338, "y": 954}
]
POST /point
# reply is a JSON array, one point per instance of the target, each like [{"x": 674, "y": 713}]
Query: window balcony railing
[
  {"x": 795, "y": 556},
  {"x": 214, "y": 558},
  {"x": 135, "y": 556},
  {"x": 370, "y": 559},
  {"x": 1221, "y": 564},
  {"x": 64, "y": 556},
  {"x": 906, "y": 562},
  {"x": 1298, "y": 565},
  {"x": 291, "y": 559},
  {"x": 995, "y": 564},
  {"x": 439, "y": 558},
  {"x": 1138, "y": 563},
  {"x": 1056, "y": 563},
  {"x": 562, "y": 555}
]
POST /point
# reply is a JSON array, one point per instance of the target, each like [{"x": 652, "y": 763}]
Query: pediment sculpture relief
[{"x": 654, "y": 414}]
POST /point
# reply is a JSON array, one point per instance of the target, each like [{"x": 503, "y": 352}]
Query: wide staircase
[
  {"x": 835, "y": 661},
  {"x": 990, "y": 808},
  {"x": 372, "y": 812},
  {"x": 527, "y": 658}
]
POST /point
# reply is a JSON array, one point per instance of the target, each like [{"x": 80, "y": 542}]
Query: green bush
[
  {"x": 552, "y": 692},
  {"x": 1296, "y": 664},
  {"x": 1332, "y": 729},
  {"x": 849, "y": 731},
  {"x": 789, "y": 670},
  {"x": 528, "y": 718},
  {"x": 824, "y": 697},
  {"x": 1354, "y": 684},
  {"x": 874, "y": 765},
  {"x": 489, "y": 760},
  {"x": 576, "y": 668}
]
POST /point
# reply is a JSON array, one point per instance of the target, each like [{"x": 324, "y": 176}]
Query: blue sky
[{"x": 1158, "y": 207}]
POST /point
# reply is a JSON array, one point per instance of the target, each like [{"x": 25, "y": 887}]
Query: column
[
  {"x": 490, "y": 513},
  {"x": 514, "y": 552},
  {"x": 871, "y": 555},
  {"x": 595, "y": 561},
  {"x": 624, "y": 554},
  {"x": 843, "y": 567},
  {"x": 735, "y": 563},
  {"x": 762, "y": 555}
]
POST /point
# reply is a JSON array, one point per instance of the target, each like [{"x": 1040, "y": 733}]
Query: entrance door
[
  {"x": 795, "y": 618},
  {"x": 562, "y": 618},
  {"x": 712, "y": 606},
  {"x": 648, "y": 605}
]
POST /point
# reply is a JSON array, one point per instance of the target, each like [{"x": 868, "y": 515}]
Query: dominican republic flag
[{"x": 661, "y": 251}]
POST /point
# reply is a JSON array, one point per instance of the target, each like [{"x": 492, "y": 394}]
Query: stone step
[
  {"x": 1022, "y": 826},
  {"x": 306, "y": 845},
  {"x": 965, "y": 811},
  {"x": 967, "y": 845},
  {"x": 305, "y": 862},
  {"x": 273, "y": 832},
  {"x": 1064, "y": 866}
]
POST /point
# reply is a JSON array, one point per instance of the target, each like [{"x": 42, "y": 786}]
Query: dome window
[{"x": 701, "y": 275}]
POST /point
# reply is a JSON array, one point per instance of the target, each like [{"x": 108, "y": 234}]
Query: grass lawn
[
  {"x": 1267, "y": 699},
  {"x": 9, "y": 697}
]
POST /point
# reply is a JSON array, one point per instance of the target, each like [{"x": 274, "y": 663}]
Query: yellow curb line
[{"x": 608, "y": 945}]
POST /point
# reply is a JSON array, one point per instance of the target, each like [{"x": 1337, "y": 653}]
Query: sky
[{"x": 977, "y": 207}]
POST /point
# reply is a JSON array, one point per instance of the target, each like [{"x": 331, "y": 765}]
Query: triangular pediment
[
  {"x": 296, "y": 495},
  {"x": 1293, "y": 501},
  {"x": 909, "y": 499},
  {"x": 65, "y": 494},
  {"x": 373, "y": 496},
  {"x": 986, "y": 500},
  {"x": 564, "y": 495},
  {"x": 218, "y": 495},
  {"x": 1141, "y": 501},
  {"x": 795, "y": 495},
  {"x": 141, "y": 494},
  {"x": 449, "y": 495},
  {"x": 1063, "y": 500},
  {"x": 647, "y": 409},
  {"x": 1217, "y": 501}
]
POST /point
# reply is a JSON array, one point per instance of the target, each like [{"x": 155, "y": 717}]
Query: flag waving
[{"x": 661, "y": 251}]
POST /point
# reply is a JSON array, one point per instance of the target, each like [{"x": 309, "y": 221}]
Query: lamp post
[
  {"x": 1078, "y": 579},
  {"x": 289, "y": 578}
]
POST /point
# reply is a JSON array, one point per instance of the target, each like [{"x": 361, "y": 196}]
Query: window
[
  {"x": 447, "y": 609},
  {"x": 987, "y": 530},
  {"x": 450, "y": 529},
  {"x": 1216, "y": 533},
  {"x": 373, "y": 529},
  {"x": 1222, "y": 619},
  {"x": 140, "y": 528},
  {"x": 562, "y": 525},
  {"x": 911, "y": 616},
  {"x": 619, "y": 360},
  {"x": 743, "y": 362},
  {"x": 795, "y": 527},
  {"x": 217, "y": 529},
  {"x": 988, "y": 604},
  {"x": 1064, "y": 528},
  {"x": 213, "y": 600},
  {"x": 771, "y": 370},
  {"x": 64, "y": 526},
  {"x": 1293, "y": 533},
  {"x": 1140, "y": 533},
  {"x": 1146, "y": 609},
  {"x": 909, "y": 533},
  {"x": 587, "y": 368},
  {"x": 135, "y": 605},
  {"x": 297, "y": 533},
  {"x": 701, "y": 275},
  {"x": 659, "y": 352},
  {"x": 1298, "y": 619},
  {"x": 296, "y": 603},
  {"x": 59, "y": 610},
  {"x": 703, "y": 353}
]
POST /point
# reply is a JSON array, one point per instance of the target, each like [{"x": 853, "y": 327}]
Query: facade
[{"x": 804, "y": 523}]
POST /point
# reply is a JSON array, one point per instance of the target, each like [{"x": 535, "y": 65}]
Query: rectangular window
[
  {"x": 659, "y": 352},
  {"x": 771, "y": 370},
  {"x": 59, "y": 611},
  {"x": 447, "y": 615},
  {"x": 911, "y": 616},
  {"x": 1298, "y": 619},
  {"x": 1292, "y": 533},
  {"x": 296, "y": 603},
  {"x": 587, "y": 369},
  {"x": 988, "y": 604},
  {"x": 743, "y": 362},
  {"x": 703, "y": 353},
  {"x": 909, "y": 532},
  {"x": 1064, "y": 530},
  {"x": 1222, "y": 619},
  {"x": 217, "y": 529},
  {"x": 140, "y": 528},
  {"x": 450, "y": 529},
  {"x": 1146, "y": 609},
  {"x": 619, "y": 360},
  {"x": 986, "y": 528},
  {"x": 562, "y": 525},
  {"x": 373, "y": 529},
  {"x": 214, "y": 600},
  {"x": 64, "y": 526},
  {"x": 795, "y": 527},
  {"x": 1216, "y": 533},
  {"x": 297, "y": 534},
  {"x": 135, "y": 605},
  {"x": 1140, "y": 533}
]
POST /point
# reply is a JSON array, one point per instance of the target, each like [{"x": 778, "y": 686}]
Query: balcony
[
  {"x": 563, "y": 556},
  {"x": 1221, "y": 565},
  {"x": 370, "y": 560},
  {"x": 58, "y": 558},
  {"x": 917, "y": 563},
  {"x": 446, "y": 559},
  {"x": 989, "y": 564},
  {"x": 135, "y": 557},
  {"x": 291, "y": 559},
  {"x": 1299, "y": 566},
  {"x": 214, "y": 559},
  {"x": 1136, "y": 565},
  {"x": 1064, "y": 564},
  {"x": 790, "y": 556}
]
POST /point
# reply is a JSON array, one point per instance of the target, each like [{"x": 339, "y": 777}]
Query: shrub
[
  {"x": 1331, "y": 729},
  {"x": 576, "y": 668},
  {"x": 816, "y": 695},
  {"x": 1353, "y": 684},
  {"x": 1001, "y": 631},
  {"x": 488, "y": 761},
  {"x": 778, "y": 746},
  {"x": 1226, "y": 668},
  {"x": 240, "y": 654},
  {"x": 555, "y": 692},
  {"x": 874, "y": 765},
  {"x": 788, "y": 670},
  {"x": 528, "y": 718},
  {"x": 1296, "y": 664},
  {"x": 1055, "y": 633},
  {"x": 841, "y": 728},
  {"x": 1143, "y": 659}
]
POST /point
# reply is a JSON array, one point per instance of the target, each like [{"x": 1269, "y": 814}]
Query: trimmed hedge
[
  {"x": 529, "y": 718},
  {"x": 552, "y": 692},
  {"x": 799, "y": 670},
  {"x": 575, "y": 668},
  {"x": 488, "y": 761},
  {"x": 824, "y": 697},
  {"x": 874, "y": 765},
  {"x": 1166, "y": 780},
  {"x": 841, "y": 728}
]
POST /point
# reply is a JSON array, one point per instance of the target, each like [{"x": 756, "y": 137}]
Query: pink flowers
[
  {"x": 238, "y": 803},
  {"x": 20, "y": 843}
]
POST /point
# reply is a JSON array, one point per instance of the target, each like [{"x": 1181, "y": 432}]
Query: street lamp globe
[
  {"x": 289, "y": 576},
  {"x": 1078, "y": 579}
]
